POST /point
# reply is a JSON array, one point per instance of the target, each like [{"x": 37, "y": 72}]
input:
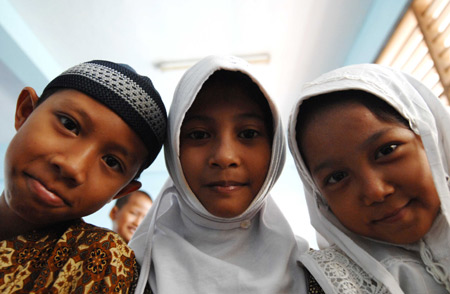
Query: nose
[
  {"x": 225, "y": 152},
  {"x": 72, "y": 164},
  {"x": 374, "y": 187}
]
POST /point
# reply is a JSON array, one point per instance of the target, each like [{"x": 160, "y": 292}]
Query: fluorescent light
[{"x": 260, "y": 58}]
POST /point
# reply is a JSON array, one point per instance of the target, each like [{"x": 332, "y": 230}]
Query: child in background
[
  {"x": 372, "y": 146},
  {"x": 84, "y": 142},
  {"x": 128, "y": 212},
  {"x": 214, "y": 228}
]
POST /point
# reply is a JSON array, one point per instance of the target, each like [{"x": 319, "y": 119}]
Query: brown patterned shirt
[{"x": 73, "y": 257}]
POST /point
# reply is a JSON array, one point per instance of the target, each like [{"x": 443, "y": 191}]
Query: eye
[
  {"x": 335, "y": 177},
  {"x": 113, "y": 162},
  {"x": 386, "y": 150},
  {"x": 198, "y": 135},
  {"x": 248, "y": 134},
  {"x": 69, "y": 124}
]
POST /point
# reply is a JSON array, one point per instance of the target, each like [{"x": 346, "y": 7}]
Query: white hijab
[
  {"x": 183, "y": 248},
  {"x": 429, "y": 119}
]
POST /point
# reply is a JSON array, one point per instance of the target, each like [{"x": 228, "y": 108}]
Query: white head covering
[
  {"x": 429, "y": 119},
  {"x": 183, "y": 248}
]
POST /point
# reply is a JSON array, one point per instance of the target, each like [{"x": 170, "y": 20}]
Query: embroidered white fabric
[
  {"x": 344, "y": 274},
  {"x": 436, "y": 269}
]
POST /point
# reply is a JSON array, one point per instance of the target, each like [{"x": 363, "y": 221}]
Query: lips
[
  {"x": 225, "y": 186},
  {"x": 393, "y": 215},
  {"x": 43, "y": 194}
]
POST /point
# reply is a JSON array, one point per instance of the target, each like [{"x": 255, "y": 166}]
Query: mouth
[
  {"x": 393, "y": 215},
  {"x": 226, "y": 186},
  {"x": 44, "y": 194}
]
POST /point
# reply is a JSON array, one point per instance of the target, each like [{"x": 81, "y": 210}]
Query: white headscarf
[
  {"x": 183, "y": 248},
  {"x": 428, "y": 118}
]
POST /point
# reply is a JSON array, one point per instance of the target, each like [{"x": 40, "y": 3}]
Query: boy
[
  {"x": 128, "y": 212},
  {"x": 81, "y": 144}
]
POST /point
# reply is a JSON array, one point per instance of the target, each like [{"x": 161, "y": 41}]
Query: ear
[
  {"x": 131, "y": 187},
  {"x": 26, "y": 103},
  {"x": 113, "y": 213}
]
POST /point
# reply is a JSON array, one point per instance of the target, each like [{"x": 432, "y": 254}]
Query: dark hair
[
  {"x": 123, "y": 200},
  {"x": 243, "y": 81},
  {"x": 380, "y": 108}
]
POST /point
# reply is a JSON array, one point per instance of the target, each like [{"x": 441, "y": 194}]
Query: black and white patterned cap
[{"x": 130, "y": 95}]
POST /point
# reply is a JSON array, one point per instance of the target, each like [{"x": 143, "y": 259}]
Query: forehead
[
  {"x": 139, "y": 197},
  {"x": 339, "y": 121},
  {"x": 316, "y": 105},
  {"x": 218, "y": 94},
  {"x": 213, "y": 97}
]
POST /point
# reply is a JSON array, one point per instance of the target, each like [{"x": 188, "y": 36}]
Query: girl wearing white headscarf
[
  {"x": 363, "y": 264},
  {"x": 183, "y": 248}
]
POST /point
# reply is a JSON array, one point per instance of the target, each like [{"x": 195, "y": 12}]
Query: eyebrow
[
  {"x": 78, "y": 110},
  {"x": 370, "y": 140},
  {"x": 206, "y": 118},
  {"x": 129, "y": 156}
]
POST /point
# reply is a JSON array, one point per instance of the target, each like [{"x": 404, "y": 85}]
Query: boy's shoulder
[
  {"x": 88, "y": 233},
  {"x": 72, "y": 233},
  {"x": 75, "y": 255}
]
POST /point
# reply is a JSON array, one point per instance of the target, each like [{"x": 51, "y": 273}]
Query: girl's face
[
  {"x": 225, "y": 150},
  {"x": 374, "y": 174}
]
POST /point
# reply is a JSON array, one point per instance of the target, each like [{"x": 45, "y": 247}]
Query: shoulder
[
  {"x": 80, "y": 256},
  {"x": 103, "y": 256},
  {"x": 342, "y": 273},
  {"x": 86, "y": 235}
]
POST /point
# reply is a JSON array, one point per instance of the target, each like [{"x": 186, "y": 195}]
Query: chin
[{"x": 225, "y": 213}]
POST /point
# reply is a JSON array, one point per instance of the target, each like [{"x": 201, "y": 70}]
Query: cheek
[
  {"x": 260, "y": 158},
  {"x": 127, "y": 218},
  {"x": 344, "y": 207},
  {"x": 191, "y": 165},
  {"x": 188, "y": 157},
  {"x": 96, "y": 196},
  {"x": 259, "y": 170},
  {"x": 351, "y": 217},
  {"x": 418, "y": 178}
]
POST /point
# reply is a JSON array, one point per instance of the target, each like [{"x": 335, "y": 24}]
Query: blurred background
[{"x": 289, "y": 42}]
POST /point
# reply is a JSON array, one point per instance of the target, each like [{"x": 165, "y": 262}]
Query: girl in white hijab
[
  {"x": 214, "y": 228},
  {"x": 372, "y": 146}
]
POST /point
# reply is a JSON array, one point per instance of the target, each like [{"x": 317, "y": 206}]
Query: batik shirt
[{"x": 73, "y": 257}]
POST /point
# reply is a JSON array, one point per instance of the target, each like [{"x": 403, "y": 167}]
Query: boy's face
[
  {"x": 225, "y": 150},
  {"x": 374, "y": 174},
  {"x": 70, "y": 156},
  {"x": 127, "y": 218}
]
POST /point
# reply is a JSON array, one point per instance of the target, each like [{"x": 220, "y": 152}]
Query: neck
[{"x": 11, "y": 224}]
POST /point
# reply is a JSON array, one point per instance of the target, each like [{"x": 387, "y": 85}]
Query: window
[{"x": 420, "y": 45}]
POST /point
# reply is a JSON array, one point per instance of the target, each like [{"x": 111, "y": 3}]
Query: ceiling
[
  {"x": 301, "y": 38},
  {"x": 298, "y": 39}
]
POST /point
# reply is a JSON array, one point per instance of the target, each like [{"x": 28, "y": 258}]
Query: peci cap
[{"x": 130, "y": 95}]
